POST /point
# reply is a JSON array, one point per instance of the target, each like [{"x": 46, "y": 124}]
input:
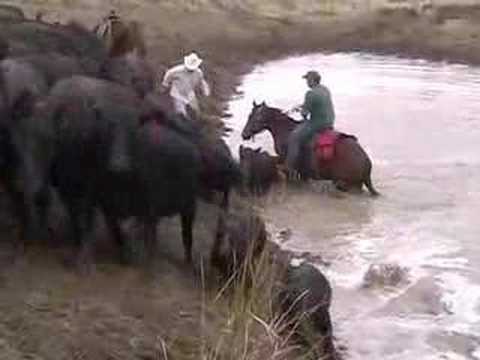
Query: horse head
[{"x": 258, "y": 121}]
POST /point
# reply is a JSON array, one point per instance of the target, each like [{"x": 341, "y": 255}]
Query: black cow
[
  {"x": 78, "y": 136},
  {"x": 260, "y": 170},
  {"x": 306, "y": 298},
  {"x": 130, "y": 70},
  {"x": 26, "y": 37},
  {"x": 239, "y": 241},
  {"x": 92, "y": 140}
]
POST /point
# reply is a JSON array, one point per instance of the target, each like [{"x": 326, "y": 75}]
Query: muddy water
[{"x": 420, "y": 122}]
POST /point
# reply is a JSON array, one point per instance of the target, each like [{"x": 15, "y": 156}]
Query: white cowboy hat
[
  {"x": 296, "y": 262},
  {"x": 192, "y": 61}
]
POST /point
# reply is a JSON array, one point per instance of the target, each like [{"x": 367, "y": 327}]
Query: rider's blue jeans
[{"x": 299, "y": 137}]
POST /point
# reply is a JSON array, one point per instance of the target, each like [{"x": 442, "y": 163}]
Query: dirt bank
[
  {"x": 233, "y": 38},
  {"x": 49, "y": 312}
]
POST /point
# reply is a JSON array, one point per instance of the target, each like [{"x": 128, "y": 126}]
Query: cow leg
[
  {"x": 219, "y": 238},
  {"x": 114, "y": 226},
  {"x": 43, "y": 203},
  {"x": 30, "y": 212},
  {"x": 150, "y": 237},
  {"x": 225, "y": 200},
  {"x": 17, "y": 201},
  {"x": 81, "y": 218},
  {"x": 187, "y": 219}
]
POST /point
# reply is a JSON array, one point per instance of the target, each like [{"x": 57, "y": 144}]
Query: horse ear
[
  {"x": 254, "y": 103},
  {"x": 257, "y": 150},
  {"x": 264, "y": 103}
]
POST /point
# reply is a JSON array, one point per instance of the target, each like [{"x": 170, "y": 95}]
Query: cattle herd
[{"x": 91, "y": 128}]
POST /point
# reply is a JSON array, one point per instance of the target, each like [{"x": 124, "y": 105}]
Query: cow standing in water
[{"x": 260, "y": 170}]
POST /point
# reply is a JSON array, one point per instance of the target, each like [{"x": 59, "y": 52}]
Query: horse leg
[
  {"x": 357, "y": 188},
  {"x": 187, "y": 219}
]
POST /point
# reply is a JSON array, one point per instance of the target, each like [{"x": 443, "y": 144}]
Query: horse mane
[{"x": 280, "y": 113}]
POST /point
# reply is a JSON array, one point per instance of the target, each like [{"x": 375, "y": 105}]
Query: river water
[{"x": 420, "y": 123}]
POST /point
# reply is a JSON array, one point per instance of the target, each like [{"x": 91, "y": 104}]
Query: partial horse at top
[{"x": 121, "y": 37}]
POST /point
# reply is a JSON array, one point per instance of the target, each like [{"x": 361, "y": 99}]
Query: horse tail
[{"x": 368, "y": 183}]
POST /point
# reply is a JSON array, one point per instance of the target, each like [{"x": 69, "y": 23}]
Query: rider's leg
[{"x": 295, "y": 142}]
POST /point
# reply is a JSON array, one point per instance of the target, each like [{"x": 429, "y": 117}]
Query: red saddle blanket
[{"x": 324, "y": 144}]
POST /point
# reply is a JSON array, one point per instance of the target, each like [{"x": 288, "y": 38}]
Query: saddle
[
  {"x": 322, "y": 148},
  {"x": 324, "y": 143}
]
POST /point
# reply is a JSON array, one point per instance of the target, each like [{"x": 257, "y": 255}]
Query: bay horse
[
  {"x": 349, "y": 169},
  {"x": 122, "y": 38}
]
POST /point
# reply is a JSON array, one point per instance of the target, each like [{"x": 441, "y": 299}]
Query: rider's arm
[
  {"x": 307, "y": 105},
  {"x": 165, "y": 83},
  {"x": 204, "y": 85},
  {"x": 168, "y": 78}
]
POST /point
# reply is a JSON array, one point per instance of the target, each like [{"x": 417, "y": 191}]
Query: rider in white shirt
[{"x": 183, "y": 81}]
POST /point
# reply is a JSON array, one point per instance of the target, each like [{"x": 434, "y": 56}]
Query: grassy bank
[
  {"x": 233, "y": 36},
  {"x": 166, "y": 312},
  {"x": 121, "y": 313}
]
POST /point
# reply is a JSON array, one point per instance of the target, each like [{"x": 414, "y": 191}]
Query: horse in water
[{"x": 340, "y": 158}]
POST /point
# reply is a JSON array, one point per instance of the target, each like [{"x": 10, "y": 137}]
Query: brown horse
[
  {"x": 350, "y": 168},
  {"x": 122, "y": 38}
]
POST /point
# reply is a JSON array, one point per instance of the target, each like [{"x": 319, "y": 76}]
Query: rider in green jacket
[{"x": 317, "y": 111}]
